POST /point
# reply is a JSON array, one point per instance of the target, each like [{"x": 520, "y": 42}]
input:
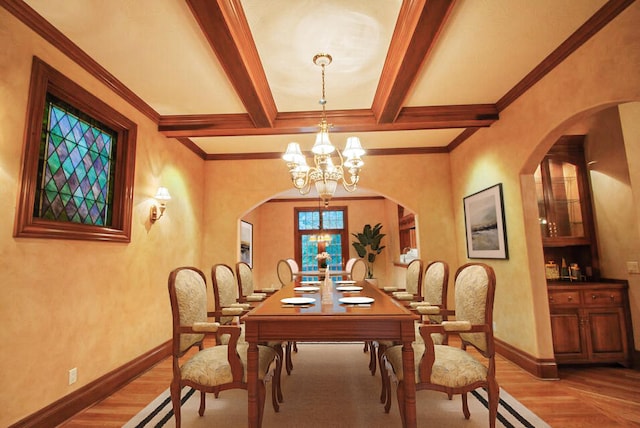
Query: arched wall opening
[
  {"x": 611, "y": 153},
  {"x": 273, "y": 222}
]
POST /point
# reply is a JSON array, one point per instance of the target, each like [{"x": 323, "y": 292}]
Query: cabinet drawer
[
  {"x": 602, "y": 297},
  {"x": 564, "y": 298}
]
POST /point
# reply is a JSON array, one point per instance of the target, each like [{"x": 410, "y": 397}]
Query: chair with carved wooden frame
[
  {"x": 450, "y": 369},
  {"x": 211, "y": 369},
  {"x": 285, "y": 269},
  {"x": 413, "y": 283},
  {"x": 246, "y": 291},
  {"x": 285, "y": 272},
  {"x": 357, "y": 270},
  {"x": 432, "y": 309},
  {"x": 226, "y": 294},
  {"x": 228, "y": 308},
  {"x": 411, "y": 292}
]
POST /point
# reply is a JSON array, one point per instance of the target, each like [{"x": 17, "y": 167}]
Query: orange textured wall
[
  {"x": 91, "y": 305},
  {"x": 602, "y": 73}
]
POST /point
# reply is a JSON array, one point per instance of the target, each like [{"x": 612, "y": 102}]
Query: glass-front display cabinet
[{"x": 565, "y": 211}]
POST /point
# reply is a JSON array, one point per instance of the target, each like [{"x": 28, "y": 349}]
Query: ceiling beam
[
  {"x": 363, "y": 120},
  {"x": 225, "y": 26},
  {"x": 419, "y": 24}
]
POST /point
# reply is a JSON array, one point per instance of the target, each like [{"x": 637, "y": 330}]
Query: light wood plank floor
[{"x": 599, "y": 397}]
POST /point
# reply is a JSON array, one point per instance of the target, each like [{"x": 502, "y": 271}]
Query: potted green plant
[{"x": 368, "y": 245}]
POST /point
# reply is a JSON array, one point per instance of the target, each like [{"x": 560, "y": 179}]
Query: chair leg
[
  {"x": 278, "y": 374},
  {"x": 400, "y": 394},
  {"x": 295, "y": 346},
  {"x": 383, "y": 374},
  {"x": 465, "y": 406},
  {"x": 261, "y": 399},
  {"x": 175, "y": 402},
  {"x": 387, "y": 404},
  {"x": 275, "y": 381},
  {"x": 372, "y": 359},
  {"x": 493, "y": 392},
  {"x": 366, "y": 347},
  {"x": 288, "y": 362},
  {"x": 203, "y": 400}
]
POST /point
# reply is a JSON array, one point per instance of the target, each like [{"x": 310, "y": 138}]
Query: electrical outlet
[
  {"x": 632, "y": 267},
  {"x": 73, "y": 375}
]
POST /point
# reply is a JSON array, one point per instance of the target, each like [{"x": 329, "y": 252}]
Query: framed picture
[
  {"x": 246, "y": 243},
  {"x": 484, "y": 222}
]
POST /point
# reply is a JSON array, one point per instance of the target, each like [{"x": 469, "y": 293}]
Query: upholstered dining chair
[
  {"x": 450, "y": 369},
  {"x": 432, "y": 309},
  {"x": 285, "y": 269},
  {"x": 357, "y": 270},
  {"x": 434, "y": 293},
  {"x": 285, "y": 272},
  {"x": 413, "y": 283},
  {"x": 226, "y": 294},
  {"x": 246, "y": 291},
  {"x": 211, "y": 369},
  {"x": 412, "y": 292},
  {"x": 294, "y": 265},
  {"x": 227, "y": 306},
  {"x": 349, "y": 264}
]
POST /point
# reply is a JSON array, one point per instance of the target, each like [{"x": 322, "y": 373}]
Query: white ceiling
[{"x": 157, "y": 49}]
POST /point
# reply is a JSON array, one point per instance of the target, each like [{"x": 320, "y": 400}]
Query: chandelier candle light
[{"x": 325, "y": 174}]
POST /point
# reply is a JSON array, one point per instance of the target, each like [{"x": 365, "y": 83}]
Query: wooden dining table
[
  {"x": 321, "y": 274},
  {"x": 327, "y": 319}
]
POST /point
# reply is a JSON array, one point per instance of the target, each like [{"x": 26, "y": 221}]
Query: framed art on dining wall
[
  {"x": 485, "y": 226},
  {"x": 246, "y": 243}
]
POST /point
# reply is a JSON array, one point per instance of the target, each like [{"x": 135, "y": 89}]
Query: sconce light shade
[{"x": 162, "y": 196}]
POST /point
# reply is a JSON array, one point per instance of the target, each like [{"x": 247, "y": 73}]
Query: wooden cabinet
[
  {"x": 564, "y": 207},
  {"x": 406, "y": 229},
  {"x": 591, "y": 322}
]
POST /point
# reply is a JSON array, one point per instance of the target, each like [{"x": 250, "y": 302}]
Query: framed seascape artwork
[
  {"x": 484, "y": 223},
  {"x": 246, "y": 243}
]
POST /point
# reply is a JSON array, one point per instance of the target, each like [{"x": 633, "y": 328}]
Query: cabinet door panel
[
  {"x": 606, "y": 335},
  {"x": 567, "y": 338}
]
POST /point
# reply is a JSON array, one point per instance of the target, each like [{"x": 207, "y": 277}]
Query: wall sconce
[{"x": 162, "y": 196}]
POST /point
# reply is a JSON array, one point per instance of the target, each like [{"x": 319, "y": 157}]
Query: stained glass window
[
  {"x": 79, "y": 163},
  {"x": 77, "y": 167}
]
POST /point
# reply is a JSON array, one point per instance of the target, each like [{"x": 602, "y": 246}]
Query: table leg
[
  {"x": 408, "y": 367},
  {"x": 252, "y": 385}
]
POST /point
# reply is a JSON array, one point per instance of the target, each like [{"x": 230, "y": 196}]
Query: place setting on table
[{"x": 346, "y": 289}]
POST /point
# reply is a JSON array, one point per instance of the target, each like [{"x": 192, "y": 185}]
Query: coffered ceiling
[{"x": 235, "y": 78}]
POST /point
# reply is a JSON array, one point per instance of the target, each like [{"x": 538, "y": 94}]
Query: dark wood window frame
[
  {"x": 343, "y": 232},
  {"x": 45, "y": 79}
]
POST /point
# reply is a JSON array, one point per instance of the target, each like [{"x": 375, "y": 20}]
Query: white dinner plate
[
  {"x": 348, "y": 288},
  {"x": 356, "y": 300},
  {"x": 298, "y": 300},
  {"x": 346, "y": 282},
  {"x": 306, "y": 288},
  {"x": 309, "y": 282}
]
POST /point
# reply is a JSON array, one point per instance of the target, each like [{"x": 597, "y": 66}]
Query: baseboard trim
[
  {"x": 542, "y": 368},
  {"x": 69, "y": 405}
]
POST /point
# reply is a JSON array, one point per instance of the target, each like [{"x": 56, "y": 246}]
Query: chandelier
[{"x": 329, "y": 164}]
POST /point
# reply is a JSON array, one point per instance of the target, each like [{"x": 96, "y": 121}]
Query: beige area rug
[{"x": 331, "y": 386}]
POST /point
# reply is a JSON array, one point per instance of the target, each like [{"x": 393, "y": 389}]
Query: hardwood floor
[{"x": 585, "y": 396}]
